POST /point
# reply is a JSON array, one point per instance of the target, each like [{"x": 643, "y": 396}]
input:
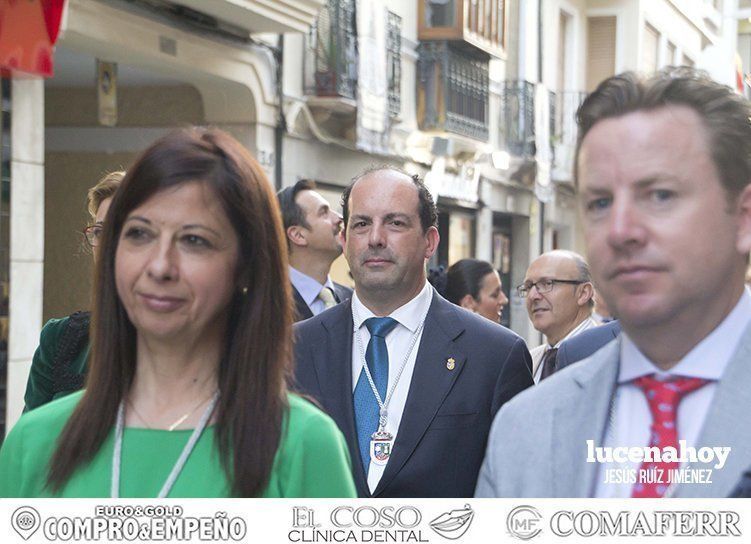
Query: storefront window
[
  {"x": 461, "y": 237},
  {"x": 502, "y": 259}
]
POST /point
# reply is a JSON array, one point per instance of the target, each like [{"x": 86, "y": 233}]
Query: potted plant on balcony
[{"x": 325, "y": 74}]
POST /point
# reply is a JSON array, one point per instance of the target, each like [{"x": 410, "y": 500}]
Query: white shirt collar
[
  {"x": 408, "y": 315},
  {"x": 308, "y": 288},
  {"x": 584, "y": 325},
  {"x": 706, "y": 360}
]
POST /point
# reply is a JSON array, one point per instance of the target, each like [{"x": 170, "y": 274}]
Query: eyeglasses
[
  {"x": 542, "y": 286},
  {"x": 93, "y": 233}
]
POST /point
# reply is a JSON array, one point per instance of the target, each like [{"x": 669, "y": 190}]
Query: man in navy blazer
[
  {"x": 312, "y": 230},
  {"x": 449, "y": 371},
  {"x": 586, "y": 343}
]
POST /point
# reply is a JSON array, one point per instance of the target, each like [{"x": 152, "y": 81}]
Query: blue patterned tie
[{"x": 367, "y": 410}]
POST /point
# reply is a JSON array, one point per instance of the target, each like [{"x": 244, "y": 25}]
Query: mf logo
[{"x": 524, "y": 522}]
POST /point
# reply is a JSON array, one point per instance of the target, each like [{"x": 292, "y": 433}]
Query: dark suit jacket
[
  {"x": 444, "y": 428},
  {"x": 341, "y": 292},
  {"x": 586, "y": 343}
]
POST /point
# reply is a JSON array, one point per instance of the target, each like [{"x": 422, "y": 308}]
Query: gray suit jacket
[{"x": 537, "y": 445}]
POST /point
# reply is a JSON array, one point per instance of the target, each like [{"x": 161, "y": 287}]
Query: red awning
[{"x": 28, "y": 30}]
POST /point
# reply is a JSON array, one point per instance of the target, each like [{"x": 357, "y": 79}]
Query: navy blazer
[
  {"x": 586, "y": 343},
  {"x": 342, "y": 293},
  {"x": 444, "y": 428}
]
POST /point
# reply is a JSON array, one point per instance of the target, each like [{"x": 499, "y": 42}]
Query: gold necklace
[{"x": 179, "y": 420}]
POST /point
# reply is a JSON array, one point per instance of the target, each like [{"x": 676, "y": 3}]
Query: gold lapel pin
[{"x": 450, "y": 363}]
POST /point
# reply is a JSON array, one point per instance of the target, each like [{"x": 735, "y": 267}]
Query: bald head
[
  {"x": 560, "y": 310},
  {"x": 426, "y": 208},
  {"x": 568, "y": 258}
]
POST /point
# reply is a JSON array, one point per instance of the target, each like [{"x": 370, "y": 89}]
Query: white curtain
[{"x": 372, "y": 96}]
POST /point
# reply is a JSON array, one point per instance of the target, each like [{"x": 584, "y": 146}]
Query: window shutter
[{"x": 600, "y": 50}]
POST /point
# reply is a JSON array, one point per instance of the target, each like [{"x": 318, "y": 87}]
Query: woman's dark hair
[
  {"x": 464, "y": 277},
  {"x": 255, "y": 363}
]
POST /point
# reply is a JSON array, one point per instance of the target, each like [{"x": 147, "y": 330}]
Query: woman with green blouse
[
  {"x": 59, "y": 364},
  {"x": 191, "y": 327}
]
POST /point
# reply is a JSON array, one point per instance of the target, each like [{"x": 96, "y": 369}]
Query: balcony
[
  {"x": 331, "y": 53},
  {"x": 517, "y": 124},
  {"x": 260, "y": 15},
  {"x": 452, "y": 91},
  {"x": 564, "y": 132},
  {"x": 478, "y": 25}
]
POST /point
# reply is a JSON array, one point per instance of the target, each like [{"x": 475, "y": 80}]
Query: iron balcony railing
[
  {"x": 394, "y": 63},
  {"x": 564, "y": 130},
  {"x": 330, "y": 66},
  {"x": 517, "y": 124},
  {"x": 452, "y": 91}
]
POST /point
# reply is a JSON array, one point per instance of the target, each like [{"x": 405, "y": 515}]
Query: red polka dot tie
[{"x": 663, "y": 398}]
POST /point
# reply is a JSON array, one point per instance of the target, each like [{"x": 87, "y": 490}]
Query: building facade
[{"x": 477, "y": 96}]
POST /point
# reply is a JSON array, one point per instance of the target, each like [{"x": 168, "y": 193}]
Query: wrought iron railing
[
  {"x": 564, "y": 130},
  {"x": 517, "y": 124},
  {"x": 331, "y": 52},
  {"x": 394, "y": 63},
  {"x": 452, "y": 91}
]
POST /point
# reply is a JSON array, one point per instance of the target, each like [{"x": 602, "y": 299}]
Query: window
[
  {"x": 486, "y": 18},
  {"x": 331, "y": 51},
  {"x": 452, "y": 91},
  {"x": 670, "y": 56},
  {"x": 439, "y": 13},
  {"x": 517, "y": 126},
  {"x": 600, "y": 50},
  {"x": 564, "y": 24},
  {"x": 650, "y": 46}
]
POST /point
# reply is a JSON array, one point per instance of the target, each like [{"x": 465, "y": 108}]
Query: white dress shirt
[
  {"x": 538, "y": 352},
  {"x": 632, "y": 417},
  {"x": 398, "y": 340},
  {"x": 309, "y": 289}
]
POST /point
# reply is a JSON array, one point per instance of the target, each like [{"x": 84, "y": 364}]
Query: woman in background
[
  {"x": 192, "y": 326},
  {"x": 59, "y": 363},
  {"x": 474, "y": 285}
]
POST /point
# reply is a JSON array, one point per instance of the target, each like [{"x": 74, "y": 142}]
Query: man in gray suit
[
  {"x": 663, "y": 169},
  {"x": 412, "y": 380}
]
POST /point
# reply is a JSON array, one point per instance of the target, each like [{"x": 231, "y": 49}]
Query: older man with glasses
[{"x": 559, "y": 294}]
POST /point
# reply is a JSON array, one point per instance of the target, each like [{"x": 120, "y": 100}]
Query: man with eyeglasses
[
  {"x": 559, "y": 294},
  {"x": 663, "y": 169}
]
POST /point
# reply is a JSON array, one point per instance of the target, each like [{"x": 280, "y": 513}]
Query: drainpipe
[
  {"x": 281, "y": 123},
  {"x": 539, "y": 80}
]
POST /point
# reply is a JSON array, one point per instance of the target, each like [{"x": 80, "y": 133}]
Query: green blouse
[
  {"x": 312, "y": 460},
  {"x": 41, "y": 386}
]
